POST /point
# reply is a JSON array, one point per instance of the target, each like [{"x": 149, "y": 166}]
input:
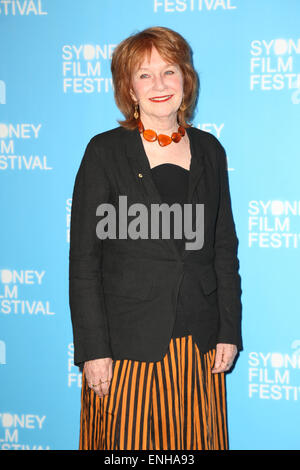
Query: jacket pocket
[{"x": 129, "y": 285}]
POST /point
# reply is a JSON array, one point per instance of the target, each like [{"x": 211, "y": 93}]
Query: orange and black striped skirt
[{"x": 173, "y": 404}]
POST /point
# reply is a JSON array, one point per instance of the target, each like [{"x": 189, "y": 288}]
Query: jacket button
[{"x": 140, "y": 175}]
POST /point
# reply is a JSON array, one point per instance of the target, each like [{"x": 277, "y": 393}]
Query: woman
[{"x": 156, "y": 321}]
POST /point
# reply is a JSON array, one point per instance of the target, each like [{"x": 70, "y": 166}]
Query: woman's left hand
[{"x": 225, "y": 354}]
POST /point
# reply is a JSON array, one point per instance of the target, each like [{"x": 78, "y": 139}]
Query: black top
[{"x": 172, "y": 183}]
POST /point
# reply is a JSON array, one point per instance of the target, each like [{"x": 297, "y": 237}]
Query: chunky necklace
[{"x": 163, "y": 139}]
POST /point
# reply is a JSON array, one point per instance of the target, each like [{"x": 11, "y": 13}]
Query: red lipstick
[{"x": 160, "y": 99}]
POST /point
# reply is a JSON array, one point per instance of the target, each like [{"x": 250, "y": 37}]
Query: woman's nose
[{"x": 159, "y": 83}]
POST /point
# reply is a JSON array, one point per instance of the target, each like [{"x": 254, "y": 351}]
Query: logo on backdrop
[
  {"x": 274, "y": 224},
  {"x": 10, "y": 134},
  {"x": 11, "y": 304},
  {"x": 22, "y": 7},
  {"x": 274, "y": 64},
  {"x": 212, "y": 128},
  {"x": 2, "y": 92},
  {"x": 68, "y": 218},
  {"x": 179, "y": 6},
  {"x": 86, "y": 68},
  {"x": 12, "y": 424},
  {"x": 74, "y": 374},
  {"x": 2, "y": 352},
  {"x": 275, "y": 375}
]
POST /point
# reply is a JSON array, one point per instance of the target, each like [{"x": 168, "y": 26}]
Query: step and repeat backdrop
[{"x": 55, "y": 94}]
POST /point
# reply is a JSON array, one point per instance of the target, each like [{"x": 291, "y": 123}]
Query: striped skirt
[{"x": 172, "y": 404}]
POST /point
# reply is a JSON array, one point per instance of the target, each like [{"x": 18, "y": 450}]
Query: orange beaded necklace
[{"x": 163, "y": 139}]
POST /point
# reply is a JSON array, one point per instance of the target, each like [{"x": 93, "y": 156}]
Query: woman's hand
[
  {"x": 225, "y": 354},
  {"x": 98, "y": 373}
]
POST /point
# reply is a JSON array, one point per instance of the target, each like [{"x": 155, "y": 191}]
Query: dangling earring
[{"x": 136, "y": 113}]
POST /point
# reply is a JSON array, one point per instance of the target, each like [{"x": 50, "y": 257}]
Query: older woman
[{"x": 156, "y": 320}]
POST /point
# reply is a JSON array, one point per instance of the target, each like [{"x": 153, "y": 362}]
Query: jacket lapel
[{"x": 140, "y": 165}]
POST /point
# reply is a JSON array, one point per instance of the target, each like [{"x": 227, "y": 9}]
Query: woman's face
[{"x": 157, "y": 87}]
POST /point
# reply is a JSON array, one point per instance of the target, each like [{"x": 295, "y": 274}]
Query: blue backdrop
[{"x": 55, "y": 94}]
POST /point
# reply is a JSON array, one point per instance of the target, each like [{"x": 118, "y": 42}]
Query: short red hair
[{"x": 129, "y": 55}]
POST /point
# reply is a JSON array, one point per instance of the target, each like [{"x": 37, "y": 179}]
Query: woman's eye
[{"x": 146, "y": 75}]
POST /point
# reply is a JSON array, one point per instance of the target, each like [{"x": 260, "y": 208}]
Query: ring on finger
[{"x": 101, "y": 382}]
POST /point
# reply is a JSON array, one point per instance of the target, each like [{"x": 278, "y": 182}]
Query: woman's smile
[{"x": 160, "y": 99}]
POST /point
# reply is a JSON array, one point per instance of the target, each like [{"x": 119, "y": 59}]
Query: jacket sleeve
[
  {"x": 89, "y": 322},
  {"x": 226, "y": 262}
]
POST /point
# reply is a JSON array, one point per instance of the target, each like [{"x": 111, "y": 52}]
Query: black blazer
[{"x": 123, "y": 292}]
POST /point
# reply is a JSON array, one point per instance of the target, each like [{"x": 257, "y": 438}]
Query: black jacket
[{"x": 123, "y": 292}]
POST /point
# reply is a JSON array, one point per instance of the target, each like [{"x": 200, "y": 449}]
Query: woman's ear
[{"x": 132, "y": 95}]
